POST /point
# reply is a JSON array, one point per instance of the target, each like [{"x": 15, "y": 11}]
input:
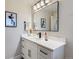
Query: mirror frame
[{"x": 57, "y": 18}]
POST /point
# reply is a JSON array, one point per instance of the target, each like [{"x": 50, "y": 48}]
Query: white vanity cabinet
[
  {"x": 44, "y": 53},
  {"x": 40, "y": 49},
  {"x": 29, "y": 49}
]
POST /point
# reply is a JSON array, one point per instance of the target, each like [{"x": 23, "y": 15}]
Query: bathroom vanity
[
  {"x": 45, "y": 18},
  {"x": 37, "y": 48}
]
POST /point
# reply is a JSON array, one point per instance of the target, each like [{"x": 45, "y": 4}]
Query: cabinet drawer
[
  {"x": 26, "y": 43},
  {"x": 45, "y": 50},
  {"x": 23, "y": 43},
  {"x": 43, "y": 53}
]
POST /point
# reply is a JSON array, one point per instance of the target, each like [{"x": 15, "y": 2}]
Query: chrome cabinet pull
[
  {"x": 29, "y": 52},
  {"x": 43, "y": 52}
]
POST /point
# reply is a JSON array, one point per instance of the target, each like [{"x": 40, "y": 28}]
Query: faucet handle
[{"x": 39, "y": 34}]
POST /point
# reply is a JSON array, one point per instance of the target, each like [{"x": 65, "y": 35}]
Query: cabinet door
[
  {"x": 43, "y": 53},
  {"x": 31, "y": 53},
  {"x": 24, "y": 51},
  {"x": 42, "y": 57},
  {"x": 30, "y": 49}
]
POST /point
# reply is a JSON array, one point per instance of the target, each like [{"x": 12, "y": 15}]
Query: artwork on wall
[
  {"x": 10, "y": 19},
  {"x": 43, "y": 23}
]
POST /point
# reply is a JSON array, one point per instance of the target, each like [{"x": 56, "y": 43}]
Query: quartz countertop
[{"x": 52, "y": 43}]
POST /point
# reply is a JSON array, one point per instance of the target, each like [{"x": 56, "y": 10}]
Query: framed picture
[
  {"x": 43, "y": 23},
  {"x": 10, "y": 19}
]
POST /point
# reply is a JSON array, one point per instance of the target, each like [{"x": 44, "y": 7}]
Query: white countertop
[{"x": 52, "y": 43}]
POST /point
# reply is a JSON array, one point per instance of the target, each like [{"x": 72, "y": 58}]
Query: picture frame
[
  {"x": 43, "y": 23},
  {"x": 10, "y": 19}
]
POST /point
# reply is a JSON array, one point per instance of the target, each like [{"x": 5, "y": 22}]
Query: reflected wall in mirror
[{"x": 47, "y": 18}]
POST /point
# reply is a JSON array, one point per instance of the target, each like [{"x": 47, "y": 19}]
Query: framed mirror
[{"x": 47, "y": 18}]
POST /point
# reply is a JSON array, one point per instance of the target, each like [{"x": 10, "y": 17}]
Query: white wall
[
  {"x": 23, "y": 11},
  {"x": 12, "y": 35},
  {"x": 65, "y": 26}
]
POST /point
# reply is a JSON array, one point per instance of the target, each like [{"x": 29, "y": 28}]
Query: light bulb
[
  {"x": 47, "y": 1},
  {"x": 34, "y": 7},
  {"x": 38, "y": 5},
  {"x": 42, "y": 3}
]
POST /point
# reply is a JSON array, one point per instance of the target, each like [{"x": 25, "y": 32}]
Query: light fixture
[
  {"x": 34, "y": 7},
  {"x": 47, "y": 1},
  {"x": 42, "y": 2},
  {"x": 38, "y": 5}
]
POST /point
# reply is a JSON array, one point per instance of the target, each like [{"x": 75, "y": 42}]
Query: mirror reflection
[{"x": 47, "y": 19}]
